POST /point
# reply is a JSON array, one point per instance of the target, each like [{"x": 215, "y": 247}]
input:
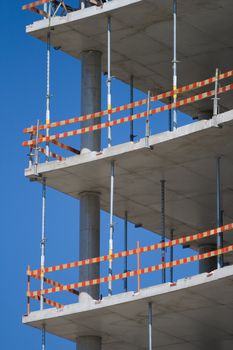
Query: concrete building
[{"x": 192, "y": 164}]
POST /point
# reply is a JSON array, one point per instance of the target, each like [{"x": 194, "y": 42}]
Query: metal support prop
[
  {"x": 43, "y": 337},
  {"x": 148, "y": 121},
  {"x": 36, "y": 159},
  {"x": 125, "y": 249},
  {"x": 219, "y": 211},
  {"x": 174, "y": 62},
  {"x": 43, "y": 242},
  {"x": 163, "y": 250},
  {"x": 48, "y": 92},
  {"x": 171, "y": 256},
  {"x": 131, "y": 109},
  {"x": 138, "y": 266},
  {"x": 150, "y": 324},
  {"x": 109, "y": 81},
  {"x": 215, "y": 107},
  {"x": 111, "y": 231}
]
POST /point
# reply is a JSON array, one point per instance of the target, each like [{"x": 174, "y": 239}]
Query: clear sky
[{"x": 23, "y": 68}]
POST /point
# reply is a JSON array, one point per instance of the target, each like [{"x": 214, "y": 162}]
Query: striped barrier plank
[
  {"x": 53, "y": 283},
  {"x": 34, "y": 4},
  {"x": 182, "y": 240},
  {"x": 141, "y": 271},
  {"x": 49, "y": 302},
  {"x": 154, "y": 111},
  {"x": 51, "y": 154},
  {"x": 39, "y": 12},
  {"x": 162, "y": 96},
  {"x": 60, "y": 144}
]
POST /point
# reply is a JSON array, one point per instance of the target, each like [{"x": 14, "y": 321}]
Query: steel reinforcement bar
[
  {"x": 182, "y": 240},
  {"x": 141, "y": 271},
  {"x": 154, "y": 111},
  {"x": 139, "y": 103}
]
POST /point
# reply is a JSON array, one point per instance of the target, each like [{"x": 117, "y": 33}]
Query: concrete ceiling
[
  {"x": 185, "y": 158},
  {"x": 195, "y": 314},
  {"x": 142, "y": 41}
]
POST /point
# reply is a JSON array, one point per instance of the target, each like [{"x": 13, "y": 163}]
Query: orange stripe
[
  {"x": 145, "y": 249},
  {"x": 129, "y": 118},
  {"x": 133, "y": 273},
  {"x": 133, "y": 104}
]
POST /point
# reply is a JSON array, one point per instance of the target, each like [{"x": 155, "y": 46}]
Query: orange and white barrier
[
  {"x": 34, "y": 4},
  {"x": 125, "y": 107},
  {"x": 154, "y": 111},
  {"x": 141, "y": 271},
  {"x": 182, "y": 240}
]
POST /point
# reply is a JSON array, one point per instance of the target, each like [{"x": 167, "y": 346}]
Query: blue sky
[{"x": 23, "y": 67}]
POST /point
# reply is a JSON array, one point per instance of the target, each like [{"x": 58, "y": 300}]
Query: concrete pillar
[
  {"x": 207, "y": 265},
  {"x": 89, "y": 246},
  {"x": 89, "y": 242},
  {"x": 91, "y": 98},
  {"x": 89, "y": 343}
]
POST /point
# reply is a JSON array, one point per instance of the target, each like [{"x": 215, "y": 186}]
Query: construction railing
[
  {"x": 37, "y": 138},
  {"x": 72, "y": 288},
  {"x": 57, "y": 7}
]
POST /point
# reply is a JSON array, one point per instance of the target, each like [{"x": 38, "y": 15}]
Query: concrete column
[
  {"x": 89, "y": 246},
  {"x": 89, "y": 242},
  {"x": 89, "y": 343},
  {"x": 210, "y": 264},
  {"x": 91, "y": 98}
]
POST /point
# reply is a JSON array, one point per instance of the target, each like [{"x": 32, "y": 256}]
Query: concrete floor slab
[
  {"x": 142, "y": 41},
  {"x": 194, "y": 314},
  {"x": 185, "y": 158}
]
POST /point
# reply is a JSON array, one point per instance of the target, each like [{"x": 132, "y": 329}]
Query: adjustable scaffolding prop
[
  {"x": 163, "y": 257},
  {"x": 109, "y": 81},
  {"x": 111, "y": 228},
  {"x": 174, "y": 63},
  {"x": 150, "y": 320},
  {"x": 48, "y": 92},
  {"x": 219, "y": 210}
]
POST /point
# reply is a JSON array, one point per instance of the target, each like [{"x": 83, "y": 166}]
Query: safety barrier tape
[
  {"x": 39, "y": 12},
  {"x": 131, "y": 105},
  {"x": 54, "y": 283},
  {"x": 34, "y": 4},
  {"x": 145, "y": 249},
  {"x": 60, "y": 144},
  {"x": 135, "y": 272},
  {"x": 51, "y": 154},
  {"x": 92, "y": 128},
  {"x": 48, "y": 301}
]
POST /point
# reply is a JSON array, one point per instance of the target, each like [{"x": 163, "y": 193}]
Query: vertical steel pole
[
  {"x": 111, "y": 231},
  {"x": 131, "y": 109},
  {"x": 171, "y": 256},
  {"x": 148, "y": 121},
  {"x": 138, "y": 266},
  {"x": 48, "y": 92},
  {"x": 150, "y": 324},
  {"x": 43, "y": 337},
  {"x": 43, "y": 242},
  {"x": 163, "y": 226},
  {"x": 174, "y": 62},
  {"x": 219, "y": 212},
  {"x": 215, "y": 109},
  {"x": 109, "y": 81},
  {"x": 170, "y": 123},
  {"x": 125, "y": 249}
]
